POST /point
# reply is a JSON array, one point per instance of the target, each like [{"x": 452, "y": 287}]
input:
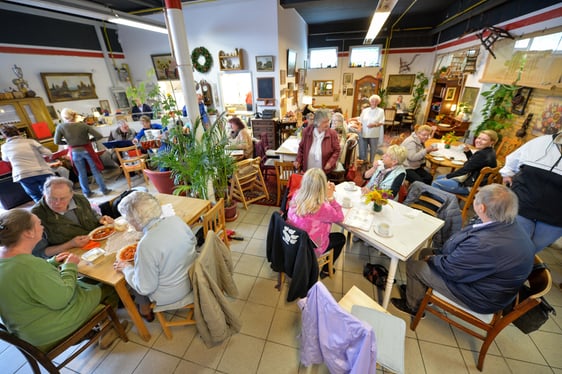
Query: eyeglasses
[{"x": 55, "y": 200}]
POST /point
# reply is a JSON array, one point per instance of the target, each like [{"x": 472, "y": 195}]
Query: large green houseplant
[
  {"x": 497, "y": 108},
  {"x": 418, "y": 93}
]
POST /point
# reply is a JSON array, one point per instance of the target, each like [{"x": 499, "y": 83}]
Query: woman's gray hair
[
  {"x": 501, "y": 203},
  {"x": 320, "y": 116},
  {"x": 140, "y": 208}
]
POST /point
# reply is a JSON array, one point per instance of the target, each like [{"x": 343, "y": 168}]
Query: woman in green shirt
[{"x": 42, "y": 302}]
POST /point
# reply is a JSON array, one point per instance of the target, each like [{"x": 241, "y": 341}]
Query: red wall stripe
[{"x": 56, "y": 52}]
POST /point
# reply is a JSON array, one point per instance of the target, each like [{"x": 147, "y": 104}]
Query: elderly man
[
  {"x": 481, "y": 267},
  {"x": 65, "y": 217},
  {"x": 534, "y": 172}
]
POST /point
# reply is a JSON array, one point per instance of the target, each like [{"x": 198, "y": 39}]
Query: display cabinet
[
  {"x": 231, "y": 61},
  {"x": 444, "y": 94},
  {"x": 270, "y": 127},
  {"x": 364, "y": 88},
  {"x": 31, "y": 117}
]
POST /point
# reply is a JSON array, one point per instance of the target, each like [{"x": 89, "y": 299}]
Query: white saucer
[
  {"x": 350, "y": 189},
  {"x": 439, "y": 158},
  {"x": 376, "y": 231},
  {"x": 457, "y": 162},
  {"x": 436, "y": 153},
  {"x": 347, "y": 207}
]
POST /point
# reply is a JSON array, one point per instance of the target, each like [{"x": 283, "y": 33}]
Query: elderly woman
[
  {"x": 164, "y": 254},
  {"x": 314, "y": 209},
  {"x": 389, "y": 173},
  {"x": 320, "y": 145},
  {"x": 241, "y": 137},
  {"x": 416, "y": 149},
  {"x": 42, "y": 302},
  {"x": 460, "y": 180},
  {"x": 372, "y": 129},
  {"x": 77, "y": 136}
]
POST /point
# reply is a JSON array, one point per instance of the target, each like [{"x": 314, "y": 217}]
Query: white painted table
[
  {"x": 410, "y": 230},
  {"x": 288, "y": 150}
]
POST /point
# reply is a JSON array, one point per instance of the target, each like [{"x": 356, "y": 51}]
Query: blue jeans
[
  {"x": 449, "y": 185},
  {"x": 80, "y": 159},
  {"x": 33, "y": 186},
  {"x": 542, "y": 234},
  {"x": 372, "y": 143}
]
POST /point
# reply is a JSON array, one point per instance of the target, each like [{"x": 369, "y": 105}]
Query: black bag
[
  {"x": 376, "y": 274},
  {"x": 109, "y": 208},
  {"x": 536, "y": 317}
]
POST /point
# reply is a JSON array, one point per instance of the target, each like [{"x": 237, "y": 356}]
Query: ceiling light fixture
[
  {"x": 382, "y": 12},
  {"x": 138, "y": 24}
]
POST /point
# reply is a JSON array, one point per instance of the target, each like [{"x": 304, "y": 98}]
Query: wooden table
[
  {"x": 411, "y": 230},
  {"x": 449, "y": 158},
  {"x": 187, "y": 208}
]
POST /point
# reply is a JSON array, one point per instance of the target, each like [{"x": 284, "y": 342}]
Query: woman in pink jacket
[{"x": 314, "y": 209}]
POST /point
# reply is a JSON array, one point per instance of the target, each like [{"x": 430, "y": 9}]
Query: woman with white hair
[
  {"x": 164, "y": 254},
  {"x": 389, "y": 173},
  {"x": 76, "y": 135},
  {"x": 372, "y": 129}
]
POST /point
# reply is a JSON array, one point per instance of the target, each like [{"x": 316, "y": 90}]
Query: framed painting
[
  {"x": 450, "y": 93},
  {"x": 519, "y": 101},
  {"x": 69, "y": 86},
  {"x": 400, "y": 84},
  {"x": 52, "y": 112},
  {"x": 165, "y": 67},
  {"x": 264, "y": 63},
  {"x": 104, "y": 106},
  {"x": 469, "y": 96},
  {"x": 302, "y": 77},
  {"x": 291, "y": 62},
  {"x": 347, "y": 79}
]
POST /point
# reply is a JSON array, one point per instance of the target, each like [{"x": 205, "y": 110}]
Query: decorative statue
[{"x": 20, "y": 83}]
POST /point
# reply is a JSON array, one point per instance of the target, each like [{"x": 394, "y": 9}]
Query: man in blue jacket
[{"x": 482, "y": 266}]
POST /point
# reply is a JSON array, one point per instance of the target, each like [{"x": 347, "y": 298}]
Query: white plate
[
  {"x": 439, "y": 158},
  {"x": 436, "y": 153},
  {"x": 110, "y": 231},
  {"x": 347, "y": 207},
  {"x": 92, "y": 255},
  {"x": 457, "y": 162},
  {"x": 376, "y": 231}
]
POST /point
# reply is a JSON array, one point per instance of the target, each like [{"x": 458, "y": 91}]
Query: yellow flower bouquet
[
  {"x": 450, "y": 137},
  {"x": 379, "y": 198}
]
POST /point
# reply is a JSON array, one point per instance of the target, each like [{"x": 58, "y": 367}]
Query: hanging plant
[{"x": 197, "y": 54}]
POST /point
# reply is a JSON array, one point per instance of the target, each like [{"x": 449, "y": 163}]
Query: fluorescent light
[
  {"x": 137, "y": 24},
  {"x": 379, "y": 18}
]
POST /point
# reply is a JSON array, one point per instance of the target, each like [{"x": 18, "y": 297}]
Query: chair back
[
  {"x": 540, "y": 279},
  {"x": 214, "y": 220},
  {"x": 507, "y": 146},
  {"x": 389, "y": 116},
  {"x": 248, "y": 179},
  {"x": 487, "y": 176},
  {"x": 162, "y": 180}
]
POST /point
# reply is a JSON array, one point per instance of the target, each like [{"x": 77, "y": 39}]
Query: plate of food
[
  {"x": 102, "y": 233},
  {"x": 127, "y": 253},
  {"x": 457, "y": 162},
  {"x": 439, "y": 158}
]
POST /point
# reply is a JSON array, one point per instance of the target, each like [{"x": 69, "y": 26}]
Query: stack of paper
[{"x": 359, "y": 218}]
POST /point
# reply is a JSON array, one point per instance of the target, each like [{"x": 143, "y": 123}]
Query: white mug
[
  {"x": 350, "y": 185},
  {"x": 346, "y": 202},
  {"x": 384, "y": 229}
]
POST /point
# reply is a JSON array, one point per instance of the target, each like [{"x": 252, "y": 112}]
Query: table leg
[
  {"x": 390, "y": 281},
  {"x": 129, "y": 304}
]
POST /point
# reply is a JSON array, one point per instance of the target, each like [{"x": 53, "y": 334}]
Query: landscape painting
[{"x": 69, "y": 86}]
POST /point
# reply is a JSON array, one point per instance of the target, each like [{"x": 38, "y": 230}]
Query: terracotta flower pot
[{"x": 231, "y": 212}]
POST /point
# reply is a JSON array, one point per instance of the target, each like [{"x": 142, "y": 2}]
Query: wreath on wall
[{"x": 195, "y": 57}]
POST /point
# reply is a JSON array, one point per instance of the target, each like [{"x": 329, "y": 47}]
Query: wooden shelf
[{"x": 231, "y": 61}]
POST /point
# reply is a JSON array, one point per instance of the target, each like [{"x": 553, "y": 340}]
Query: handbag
[{"x": 376, "y": 274}]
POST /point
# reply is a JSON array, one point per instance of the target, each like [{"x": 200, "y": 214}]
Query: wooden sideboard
[{"x": 270, "y": 127}]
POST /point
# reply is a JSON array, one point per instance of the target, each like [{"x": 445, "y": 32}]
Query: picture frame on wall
[
  {"x": 349, "y": 92},
  {"x": 291, "y": 62},
  {"x": 450, "y": 93},
  {"x": 105, "y": 107},
  {"x": 69, "y": 86},
  {"x": 302, "y": 77},
  {"x": 264, "y": 63},
  {"x": 165, "y": 67},
  {"x": 282, "y": 77},
  {"x": 52, "y": 112},
  {"x": 400, "y": 84},
  {"x": 520, "y": 99},
  {"x": 347, "y": 79},
  {"x": 266, "y": 88}
]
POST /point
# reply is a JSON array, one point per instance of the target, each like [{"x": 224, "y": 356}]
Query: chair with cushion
[
  {"x": 390, "y": 121},
  {"x": 507, "y": 146},
  {"x": 247, "y": 184},
  {"x": 131, "y": 160},
  {"x": 100, "y": 324},
  {"x": 487, "y": 176},
  {"x": 283, "y": 171},
  {"x": 338, "y": 175},
  {"x": 162, "y": 180},
  {"x": 539, "y": 281},
  {"x": 214, "y": 220}
]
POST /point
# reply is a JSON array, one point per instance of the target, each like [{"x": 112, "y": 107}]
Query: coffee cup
[
  {"x": 350, "y": 185},
  {"x": 346, "y": 202},
  {"x": 384, "y": 229},
  {"x": 120, "y": 224}
]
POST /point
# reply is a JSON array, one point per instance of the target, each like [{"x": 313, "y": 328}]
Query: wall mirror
[
  {"x": 234, "y": 87},
  {"x": 323, "y": 88}
]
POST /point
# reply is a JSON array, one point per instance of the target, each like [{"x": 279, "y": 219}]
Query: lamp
[
  {"x": 382, "y": 12},
  {"x": 454, "y": 108},
  {"x": 307, "y": 99}
]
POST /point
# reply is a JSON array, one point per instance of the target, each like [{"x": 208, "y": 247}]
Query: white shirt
[{"x": 368, "y": 116}]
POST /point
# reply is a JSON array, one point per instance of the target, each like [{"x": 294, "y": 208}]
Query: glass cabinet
[{"x": 364, "y": 88}]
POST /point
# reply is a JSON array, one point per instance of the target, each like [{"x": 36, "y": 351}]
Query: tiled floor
[{"x": 268, "y": 341}]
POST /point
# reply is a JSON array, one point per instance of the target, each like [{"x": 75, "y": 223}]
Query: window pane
[
  {"x": 323, "y": 58},
  {"x": 546, "y": 42},
  {"x": 522, "y": 44},
  {"x": 363, "y": 56}
]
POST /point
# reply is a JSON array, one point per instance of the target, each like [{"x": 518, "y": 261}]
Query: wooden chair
[
  {"x": 390, "y": 119},
  {"x": 162, "y": 180},
  {"x": 338, "y": 176},
  {"x": 283, "y": 171},
  {"x": 540, "y": 281},
  {"x": 507, "y": 146},
  {"x": 487, "y": 175},
  {"x": 131, "y": 160},
  {"x": 188, "y": 320},
  {"x": 247, "y": 184},
  {"x": 427, "y": 204},
  {"x": 214, "y": 220},
  {"x": 104, "y": 320}
]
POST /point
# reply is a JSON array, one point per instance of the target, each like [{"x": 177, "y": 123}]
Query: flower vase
[
  {"x": 377, "y": 207},
  {"x": 447, "y": 146}
]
